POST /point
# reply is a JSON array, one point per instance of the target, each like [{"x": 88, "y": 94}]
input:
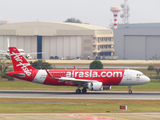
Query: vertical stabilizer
[
  {"x": 8, "y": 43},
  {"x": 19, "y": 62}
]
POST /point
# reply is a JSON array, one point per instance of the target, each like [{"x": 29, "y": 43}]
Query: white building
[{"x": 58, "y": 39}]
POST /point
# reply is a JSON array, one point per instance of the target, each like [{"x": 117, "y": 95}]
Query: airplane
[
  {"x": 7, "y": 55},
  {"x": 92, "y": 79},
  {"x": 4, "y": 53}
]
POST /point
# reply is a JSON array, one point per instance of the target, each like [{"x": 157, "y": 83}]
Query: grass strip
[{"x": 86, "y": 106}]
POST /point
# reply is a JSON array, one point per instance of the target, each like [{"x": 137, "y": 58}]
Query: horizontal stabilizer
[{"x": 49, "y": 74}]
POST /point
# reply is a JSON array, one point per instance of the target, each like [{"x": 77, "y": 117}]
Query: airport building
[
  {"x": 58, "y": 39},
  {"x": 137, "y": 41}
]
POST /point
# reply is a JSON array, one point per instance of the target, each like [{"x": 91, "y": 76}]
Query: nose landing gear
[{"x": 130, "y": 91}]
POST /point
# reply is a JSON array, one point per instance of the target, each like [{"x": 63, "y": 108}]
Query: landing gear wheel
[
  {"x": 130, "y": 91},
  {"x": 84, "y": 90},
  {"x": 78, "y": 91}
]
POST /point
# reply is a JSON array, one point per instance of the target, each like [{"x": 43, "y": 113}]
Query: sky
[{"x": 94, "y": 12}]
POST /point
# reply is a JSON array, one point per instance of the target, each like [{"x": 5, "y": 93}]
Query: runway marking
[{"x": 88, "y": 117}]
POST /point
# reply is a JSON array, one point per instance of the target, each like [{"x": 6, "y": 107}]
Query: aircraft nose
[{"x": 147, "y": 79}]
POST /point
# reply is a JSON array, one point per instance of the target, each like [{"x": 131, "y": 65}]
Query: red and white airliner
[{"x": 95, "y": 80}]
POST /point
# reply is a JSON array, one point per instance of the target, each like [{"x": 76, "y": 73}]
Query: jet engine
[
  {"x": 95, "y": 86},
  {"x": 106, "y": 87}
]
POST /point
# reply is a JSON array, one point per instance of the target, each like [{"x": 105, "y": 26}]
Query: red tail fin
[{"x": 19, "y": 62}]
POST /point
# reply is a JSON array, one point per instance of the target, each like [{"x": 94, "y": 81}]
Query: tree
[
  {"x": 41, "y": 64},
  {"x": 150, "y": 68},
  {"x": 73, "y": 20},
  {"x": 3, "y": 67},
  {"x": 155, "y": 57},
  {"x": 157, "y": 71},
  {"x": 96, "y": 64}
]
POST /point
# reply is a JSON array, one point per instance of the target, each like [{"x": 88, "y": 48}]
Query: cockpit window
[{"x": 140, "y": 74}]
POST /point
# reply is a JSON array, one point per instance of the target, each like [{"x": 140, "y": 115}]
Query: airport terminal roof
[{"x": 52, "y": 29}]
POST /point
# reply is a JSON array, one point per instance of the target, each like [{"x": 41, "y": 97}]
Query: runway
[{"x": 72, "y": 95}]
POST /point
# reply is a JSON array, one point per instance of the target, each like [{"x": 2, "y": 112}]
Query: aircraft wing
[
  {"x": 74, "y": 80},
  {"x": 3, "y": 52}
]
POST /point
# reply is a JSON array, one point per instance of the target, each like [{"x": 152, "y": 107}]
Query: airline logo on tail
[{"x": 19, "y": 61}]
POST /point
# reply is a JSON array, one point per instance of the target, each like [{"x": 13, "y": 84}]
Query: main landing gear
[
  {"x": 78, "y": 91},
  {"x": 130, "y": 91},
  {"x": 84, "y": 90}
]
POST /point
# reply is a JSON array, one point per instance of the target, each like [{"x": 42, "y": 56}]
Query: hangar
[
  {"x": 137, "y": 41},
  {"x": 58, "y": 39}
]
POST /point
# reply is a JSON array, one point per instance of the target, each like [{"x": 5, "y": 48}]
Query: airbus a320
[{"x": 92, "y": 79}]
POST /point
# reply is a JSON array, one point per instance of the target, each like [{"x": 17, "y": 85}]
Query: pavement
[{"x": 72, "y": 95}]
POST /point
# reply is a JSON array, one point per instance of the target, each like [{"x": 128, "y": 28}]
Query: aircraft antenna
[{"x": 125, "y": 15}]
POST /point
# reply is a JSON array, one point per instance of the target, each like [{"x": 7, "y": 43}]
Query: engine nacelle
[
  {"x": 95, "y": 86},
  {"x": 107, "y": 87}
]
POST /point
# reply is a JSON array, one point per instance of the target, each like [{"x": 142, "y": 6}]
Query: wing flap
[{"x": 75, "y": 80}]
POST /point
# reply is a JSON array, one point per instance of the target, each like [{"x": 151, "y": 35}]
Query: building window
[
  {"x": 87, "y": 48},
  {"x": 109, "y": 38},
  {"x": 101, "y": 46},
  {"x": 105, "y": 54},
  {"x": 87, "y": 41}
]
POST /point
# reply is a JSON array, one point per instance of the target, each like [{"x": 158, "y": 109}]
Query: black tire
[
  {"x": 130, "y": 91},
  {"x": 78, "y": 91},
  {"x": 84, "y": 90}
]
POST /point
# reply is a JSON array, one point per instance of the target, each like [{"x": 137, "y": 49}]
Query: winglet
[{"x": 49, "y": 74}]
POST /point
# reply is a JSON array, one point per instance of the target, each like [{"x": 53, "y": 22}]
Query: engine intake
[{"x": 95, "y": 86}]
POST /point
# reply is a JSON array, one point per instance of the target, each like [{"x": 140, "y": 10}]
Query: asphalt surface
[{"x": 73, "y": 95}]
